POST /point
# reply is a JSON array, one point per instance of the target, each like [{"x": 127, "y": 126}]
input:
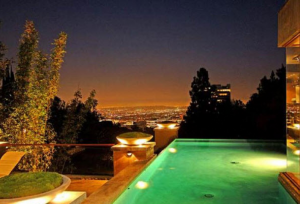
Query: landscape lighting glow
[
  {"x": 297, "y": 126},
  {"x": 160, "y": 126},
  {"x": 172, "y": 126},
  {"x": 140, "y": 141},
  {"x": 122, "y": 141},
  {"x": 297, "y": 152},
  {"x": 34, "y": 201},
  {"x": 62, "y": 197},
  {"x": 141, "y": 185},
  {"x": 136, "y": 141}
]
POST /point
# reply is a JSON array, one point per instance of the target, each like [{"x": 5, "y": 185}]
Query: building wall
[
  {"x": 289, "y": 37},
  {"x": 289, "y": 24},
  {"x": 220, "y": 93}
]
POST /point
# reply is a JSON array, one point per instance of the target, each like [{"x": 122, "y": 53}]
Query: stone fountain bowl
[
  {"x": 166, "y": 124},
  {"x": 134, "y": 138},
  {"x": 40, "y": 198}
]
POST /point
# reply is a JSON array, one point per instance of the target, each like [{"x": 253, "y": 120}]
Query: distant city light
[{"x": 144, "y": 117}]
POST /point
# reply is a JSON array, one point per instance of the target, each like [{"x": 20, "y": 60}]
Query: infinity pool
[{"x": 210, "y": 171}]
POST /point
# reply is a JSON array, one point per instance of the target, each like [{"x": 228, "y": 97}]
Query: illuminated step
[{"x": 69, "y": 197}]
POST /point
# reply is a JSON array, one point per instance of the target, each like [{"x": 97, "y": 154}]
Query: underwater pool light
[
  {"x": 278, "y": 162},
  {"x": 172, "y": 150},
  {"x": 267, "y": 162},
  {"x": 141, "y": 185}
]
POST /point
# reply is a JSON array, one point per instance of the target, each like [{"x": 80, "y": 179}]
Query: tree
[
  {"x": 207, "y": 117},
  {"x": 200, "y": 97},
  {"x": 7, "y": 92},
  {"x": 263, "y": 117},
  {"x": 237, "y": 120},
  {"x": 37, "y": 78},
  {"x": 266, "y": 108},
  {"x": 73, "y": 119},
  {"x": 3, "y": 62},
  {"x": 199, "y": 112},
  {"x": 90, "y": 128},
  {"x": 8, "y": 84},
  {"x": 58, "y": 113},
  {"x": 76, "y": 116}
]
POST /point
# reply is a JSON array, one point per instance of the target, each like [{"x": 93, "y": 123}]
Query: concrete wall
[
  {"x": 137, "y": 153},
  {"x": 164, "y": 136}
]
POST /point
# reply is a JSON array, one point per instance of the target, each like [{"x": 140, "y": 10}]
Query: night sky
[{"x": 147, "y": 52}]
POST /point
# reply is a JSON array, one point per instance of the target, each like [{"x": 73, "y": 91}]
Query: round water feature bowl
[
  {"x": 166, "y": 124},
  {"x": 134, "y": 138},
  {"x": 40, "y": 198}
]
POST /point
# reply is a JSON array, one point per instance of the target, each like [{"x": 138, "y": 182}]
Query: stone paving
[{"x": 87, "y": 185}]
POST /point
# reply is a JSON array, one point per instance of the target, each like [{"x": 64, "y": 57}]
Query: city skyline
[{"x": 147, "y": 53}]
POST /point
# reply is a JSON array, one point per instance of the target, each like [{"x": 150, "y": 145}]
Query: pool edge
[{"x": 112, "y": 189}]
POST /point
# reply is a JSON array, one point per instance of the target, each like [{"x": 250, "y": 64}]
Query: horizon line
[{"x": 132, "y": 106}]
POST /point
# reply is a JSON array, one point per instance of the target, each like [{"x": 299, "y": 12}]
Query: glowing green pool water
[{"x": 210, "y": 171}]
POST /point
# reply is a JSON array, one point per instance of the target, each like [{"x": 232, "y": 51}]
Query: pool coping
[
  {"x": 291, "y": 184},
  {"x": 112, "y": 189}
]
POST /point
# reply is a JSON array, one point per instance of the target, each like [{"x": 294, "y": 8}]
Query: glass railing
[
  {"x": 293, "y": 108},
  {"x": 71, "y": 159}
]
